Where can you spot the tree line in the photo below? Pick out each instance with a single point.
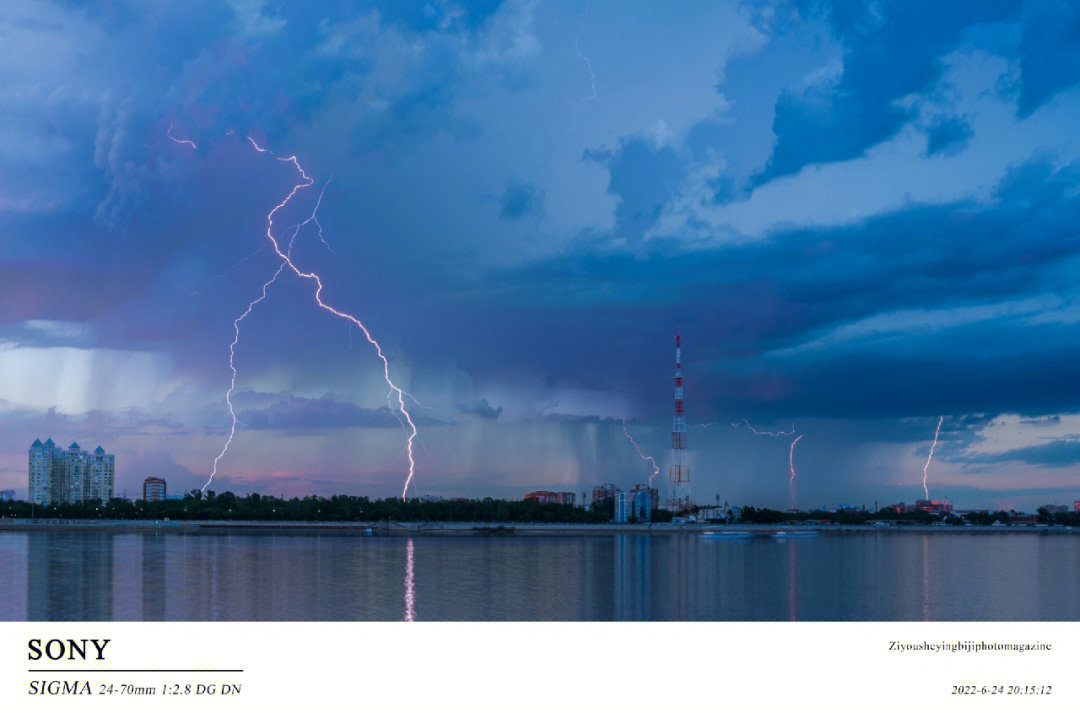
(196, 505)
(918, 517)
(338, 508)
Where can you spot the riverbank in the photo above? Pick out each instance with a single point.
(491, 529)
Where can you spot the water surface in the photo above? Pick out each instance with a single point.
(60, 575)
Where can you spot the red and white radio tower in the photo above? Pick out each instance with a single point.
(679, 473)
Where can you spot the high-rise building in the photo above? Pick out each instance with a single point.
(622, 507)
(643, 500)
(603, 492)
(153, 489)
(69, 476)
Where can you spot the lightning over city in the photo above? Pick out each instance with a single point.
(286, 260)
(335, 312)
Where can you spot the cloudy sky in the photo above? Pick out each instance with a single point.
(863, 215)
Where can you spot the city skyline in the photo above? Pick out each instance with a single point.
(863, 219)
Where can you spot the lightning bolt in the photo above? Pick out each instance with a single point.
(286, 261)
(315, 220)
(222, 275)
(232, 368)
(929, 457)
(592, 77)
(791, 466)
(232, 365)
(791, 450)
(656, 468)
(188, 142)
(774, 434)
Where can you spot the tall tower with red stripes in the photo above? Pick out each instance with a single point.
(679, 472)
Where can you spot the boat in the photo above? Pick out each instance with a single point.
(735, 535)
(786, 534)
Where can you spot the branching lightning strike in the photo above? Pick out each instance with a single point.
(286, 261)
(774, 434)
(791, 451)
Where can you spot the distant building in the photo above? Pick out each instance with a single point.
(713, 513)
(7, 495)
(937, 507)
(547, 496)
(603, 492)
(1056, 509)
(153, 489)
(622, 507)
(69, 476)
(1076, 506)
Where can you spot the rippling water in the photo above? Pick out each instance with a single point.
(54, 575)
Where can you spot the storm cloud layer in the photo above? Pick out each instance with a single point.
(862, 215)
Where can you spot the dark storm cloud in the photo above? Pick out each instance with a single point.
(1049, 51)
(948, 136)
(521, 200)
(428, 15)
(66, 294)
(644, 176)
(957, 432)
(500, 239)
(294, 413)
(480, 408)
(592, 316)
(413, 118)
(1055, 454)
(894, 49)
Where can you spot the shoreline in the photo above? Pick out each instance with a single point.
(495, 529)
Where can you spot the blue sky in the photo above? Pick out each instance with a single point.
(863, 215)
